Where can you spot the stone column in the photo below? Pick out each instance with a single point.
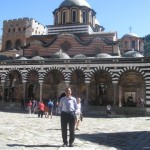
(3, 90)
(120, 96)
(24, 90)
(87, 91)
(41, 89)
(115, 86)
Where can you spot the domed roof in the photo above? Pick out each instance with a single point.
(132, 54)
(60, 55)
(103, 55)
(66, 3)
(130, 35)
(23, 58)
(37, 58)
(80, 56)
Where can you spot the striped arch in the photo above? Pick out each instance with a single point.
(11, 70)
(129, 69)
(74, 69)
(94, 70)
(54, 68)
(131, 86)
(30, 70)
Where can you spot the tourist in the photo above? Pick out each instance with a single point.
(50, 108)
(34, 106)
(68, 107)
(78, 113)
(29, 105)
(41, 107)
(108, 110)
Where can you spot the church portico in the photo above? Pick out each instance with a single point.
(98, 84)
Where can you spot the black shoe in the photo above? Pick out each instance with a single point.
(71, 145)
(64, 145)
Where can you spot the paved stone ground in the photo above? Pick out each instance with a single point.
(19, 131)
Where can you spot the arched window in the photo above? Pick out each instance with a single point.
(84, 16)
(74, 15)
(63, 17)
(133, 45)
(56, 19)
(8, 45)
(126, 44)
(18, 44)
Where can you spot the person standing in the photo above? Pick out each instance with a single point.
(50, 108)
(78, 113)
(108, 110)
(41, 108)
(68, 107)
(29, 106)
(34, 106)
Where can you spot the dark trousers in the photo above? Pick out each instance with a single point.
(40, 114)
(68, 118)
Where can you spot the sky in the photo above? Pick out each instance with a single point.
(121, 16)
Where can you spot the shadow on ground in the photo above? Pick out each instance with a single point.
(25, 145)
(121, 141)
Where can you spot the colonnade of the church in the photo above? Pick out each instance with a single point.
(67, 83)
(100, 88)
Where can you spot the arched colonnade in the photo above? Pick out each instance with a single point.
(97, 86)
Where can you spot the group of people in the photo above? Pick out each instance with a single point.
(46, 109)
(32, 106)
(69, 109)
(41, 108)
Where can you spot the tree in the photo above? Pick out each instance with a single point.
(147, 45)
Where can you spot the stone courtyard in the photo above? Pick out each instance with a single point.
(22, 131)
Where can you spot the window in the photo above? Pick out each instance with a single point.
(133, 45)
(84, 16)
(74, 16)
(18, 44)
(126, 44)
(63, 17)
(8, 45)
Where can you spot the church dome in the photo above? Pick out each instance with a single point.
(67, 3)
(80, 56)
(60, 55)
(103, 55)
(37, 58)
(132, 54)
(130, 35)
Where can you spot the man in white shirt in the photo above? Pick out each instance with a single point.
(68, 107)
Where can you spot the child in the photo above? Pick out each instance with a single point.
(46, 111)
(108, 110)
